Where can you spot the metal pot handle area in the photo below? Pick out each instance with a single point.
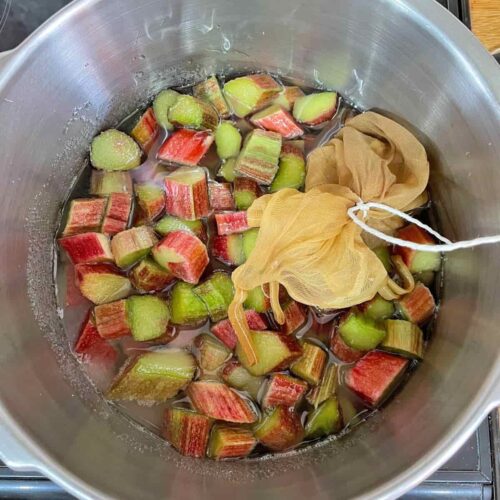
(5, 57)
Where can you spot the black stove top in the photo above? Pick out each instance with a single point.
(468, 475)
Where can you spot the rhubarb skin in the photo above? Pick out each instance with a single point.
(342, 351)
(231, 222)
(185, 146)
(295, 317)
(416, 234)
(84, 215)
(146, 129)
(374, 375)
(277, 119)
(280, 429)
(187, 193)
(217, 400)
(148, 276)
(102, 283)
(227, 441)
(117, 213)
(187, 431)
(220, 195)
(90, 346)
(87, 248)
(183, 254)
(283, 390)
(210, 91)
(111, 320)
(418, 306)
(228, 249)
(224, 331)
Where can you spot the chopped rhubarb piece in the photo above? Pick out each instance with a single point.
(227, 140)
(186, 308)
(382, 252)
(148, 316)
(231, 222)
(87, 248)
(246, 191)
(84, 216)
(117, 213)
(112, 320)
(259, 157)
(187, 431)
(292, 167)
(114, 150)
(277, 119)
(230, 442)
(221, 197)
(183, 254)
(146, 129)
(151, 199)
(321, 331)
(187, 193)
(360, 331)
(275, 352)
(210, 91)
(224, 331)
(91, 346)
(103, 183)
(257, 300)
(418, 306)
(295, 317)
(191, 112)
(217, 400)
(314, 109)
(102, 283)
(404, 338)
(169, 223)
(238, 377)
(161, 106)
(326, 388)
(375, 375)
(247, 94)
(228, 249)
(153, 376)
(287, 97)
(211, 354)
(217, 293)
(186, 147)
(279, 429)
(249, 241)
(227, 170)
(324, 420)
(377, 308)
(342, 351)
(132, 245)
(283, 390)
(417, 260)
(148, 276)
(311, 364)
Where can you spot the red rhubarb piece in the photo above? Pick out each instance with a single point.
(91, 346)
(87, 248)
(283, 390)
(228, 249)
(277, 119)
(187, 193)
(231, 222)
(84, 215)
(295, 317)
(224, 331)
(146, 129)
(419, 305)
(117, 213)
(111, 320)
(220, 196)
(185, 146)
(183, 254)
(230, 441)
(217, 400)
(342, 351)
(374, 375)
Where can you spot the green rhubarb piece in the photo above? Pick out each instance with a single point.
(274, 352)
(292, 170)
(217, 293)
(315, 108)
(249, 241)
(383, 254)
(210, 91)
(324, 420)
(149, 276)
(227, 140)
(259, 157)
(162, 104)
(132, 245)
(425, 277)
(224, 285)
(361, 332)
(378, 308)
(230, 442)
(191, 112)
(237, 376)
(104, 183)
(287, 97)
(151, 199)
(325, 388)
(311, 364)
(250, 93)
(425, 261)
(257, 300)
(114, 150)
(211, 353)
(227, 170)
(404, 338)
(169, 223)
(154, 376)
(148, 317)
(185, 306)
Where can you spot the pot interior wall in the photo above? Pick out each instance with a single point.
(102, 59)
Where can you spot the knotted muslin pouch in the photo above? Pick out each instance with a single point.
(308, 243)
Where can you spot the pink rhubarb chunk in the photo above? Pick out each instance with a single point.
(185, 146)
(231, 222)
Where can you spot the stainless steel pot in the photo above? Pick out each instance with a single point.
(94, 62)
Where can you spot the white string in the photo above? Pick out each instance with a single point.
(448, 246)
